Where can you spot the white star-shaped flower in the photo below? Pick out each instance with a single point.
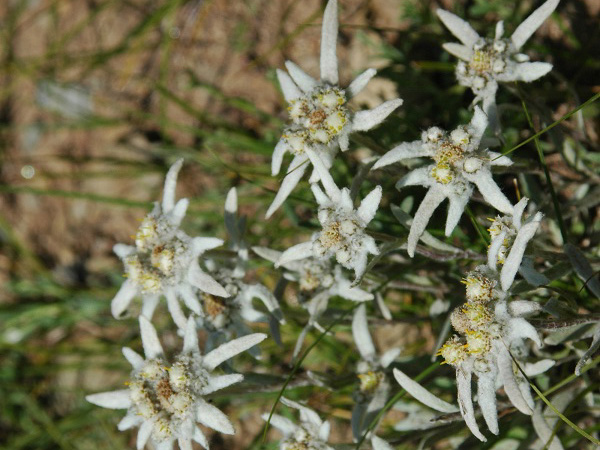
(343, 234)
(459, 163)
(164, 260)
(490, 329)
(225, 317)
(165, 401)
(372, 393)
(486, 62)
(311, 434)
(318, 281)
(321, 118)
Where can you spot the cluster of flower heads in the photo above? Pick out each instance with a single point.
(166, 401)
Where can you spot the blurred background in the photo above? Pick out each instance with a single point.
(99, 97)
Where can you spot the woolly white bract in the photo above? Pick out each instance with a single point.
(164, 260)
(343, 234)
(372, 393)
(164, 401)
(491, 331)
(485, 62)
(321, 118)
(225, 317)
(459, 164)
(311, 434)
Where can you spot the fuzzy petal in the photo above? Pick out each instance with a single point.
(369, 205)
(479, 123)
(303, 80)
(544, 431)
(458, 27)
(231, 348)
(486, 393)
(490, 190)
(202, 244)
(380, 444)
(521, 308)
(278, 154)
(530, 71)
(213, 417)
(144, 434)
(389, 356)
(178, 212)
(299, 251)
(306, 414)
(331, 188)
(123, 298)
(221, 382)
(515, 256)
(190, 338)
(532, 23)
(458, 50)
(359, 83)
(463, 385)
(297, 168)
(406, 150)
(423, 395)
(170, 185)
(456, 207)
(184, 444)
(200, 438)
(205, 282)
(365, 120)
(432, 200)
(360, 332)
(231, 208)
(329, 32)
(150, 341)
(505, 367)
(123, 250)
(134, 358)
(417, 177)
(518, 212)
(190, 299)
(494, 249)
(288, 87)
(175, 309)
(149, 304)
(112, 400)
(283, 424)
(129, 421)
(497, 159)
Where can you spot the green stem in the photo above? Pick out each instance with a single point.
(552, 125)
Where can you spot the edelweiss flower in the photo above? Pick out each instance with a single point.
(459, 163)
(167, 401)
(164, 260)
(485, 62)
(372, 394)
(311, 434)
(321, 119)
(224, 317)
(318, 281)
(490, 330)
(343, 234)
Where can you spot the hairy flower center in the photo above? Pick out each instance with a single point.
(479, 288)
(154, 263)
(489, 56)
(453, 351)
(321, 116)
(370, 381)
(164, 394)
